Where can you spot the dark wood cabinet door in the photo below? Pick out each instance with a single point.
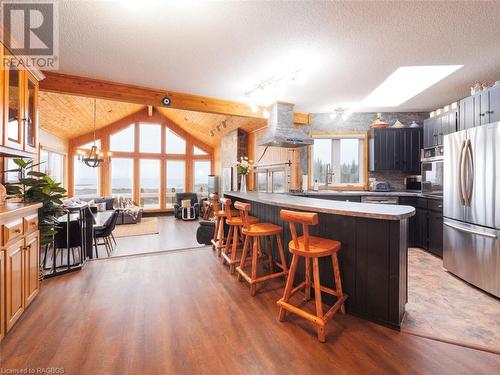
(428, 132)
(436, 233)
(421, 230)
(411, 143)
(494, 110)
(483, 104)
(467, 113)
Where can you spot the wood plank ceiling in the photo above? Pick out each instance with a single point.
(69, 116)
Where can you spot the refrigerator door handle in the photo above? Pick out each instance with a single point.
(461, 169)
(489, 235)
(470, 179)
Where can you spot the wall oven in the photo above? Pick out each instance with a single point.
(432, 171)
(272, 178)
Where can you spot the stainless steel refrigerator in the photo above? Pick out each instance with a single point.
(472, 206)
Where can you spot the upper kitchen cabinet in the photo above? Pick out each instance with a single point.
(479, 109)
(435, 128)
(395, 149)
(13, 111)
(30, 118)
(19, 130)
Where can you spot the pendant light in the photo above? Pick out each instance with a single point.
(95, 157)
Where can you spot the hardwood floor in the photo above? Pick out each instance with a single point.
(173, 234)
(183, 313)
(444, 307)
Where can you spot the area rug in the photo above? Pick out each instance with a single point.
(148, 225)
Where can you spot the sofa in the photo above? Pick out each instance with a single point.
(123, 218)
(179, 197)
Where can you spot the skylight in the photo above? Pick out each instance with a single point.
(405, 83)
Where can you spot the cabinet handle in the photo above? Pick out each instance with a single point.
(489, 112)
(482, 114)
(17, 230)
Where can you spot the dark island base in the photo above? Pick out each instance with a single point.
(373, 261)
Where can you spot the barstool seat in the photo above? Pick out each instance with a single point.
(311, 248)
(218, 240)
(253, 234)
(318, 247)
(239, 221)
(262, 229)
(234, 236)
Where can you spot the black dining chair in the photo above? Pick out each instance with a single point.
(105, 234)
(61, 242)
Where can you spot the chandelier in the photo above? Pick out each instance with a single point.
(95, 157)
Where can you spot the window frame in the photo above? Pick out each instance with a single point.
(363, 160)
(189, 158)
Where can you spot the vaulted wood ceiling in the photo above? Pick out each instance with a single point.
(69, 116)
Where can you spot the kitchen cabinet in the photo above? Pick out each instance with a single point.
(14, 282)
(2, 294)
(19, 109)
(435, 225)
(425, 228)
(19, 261)
(396, 149)
(435, 128)
(479, 109)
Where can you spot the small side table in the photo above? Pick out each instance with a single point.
(188, 213)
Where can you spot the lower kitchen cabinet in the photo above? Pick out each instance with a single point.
(19, 262)
(425, 228)
(14, 282)
(2, 294)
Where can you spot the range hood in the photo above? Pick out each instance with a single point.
(281, 132)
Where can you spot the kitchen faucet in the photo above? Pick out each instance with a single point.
(329, 175)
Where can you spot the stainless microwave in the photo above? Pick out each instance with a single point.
(432, 171)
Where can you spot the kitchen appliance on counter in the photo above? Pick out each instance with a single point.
(432, 171)
(472, 206)
(380, 186)
(413, 183)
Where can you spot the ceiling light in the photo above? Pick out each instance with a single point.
(266, 113)
(254, 108)
(405, 83)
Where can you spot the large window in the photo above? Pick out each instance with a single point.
(176, 180)
(201, 172)
(150, 183)
(174, 143)
(338, 161)
(150, 138)
(150, 163)
(122, 177)
(123, 140)
(86, 183)
(52, 164)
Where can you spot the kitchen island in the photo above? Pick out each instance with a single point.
(373, 258)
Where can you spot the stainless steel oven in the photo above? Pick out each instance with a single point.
(432, 171)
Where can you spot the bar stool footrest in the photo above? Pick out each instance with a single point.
(303, 314)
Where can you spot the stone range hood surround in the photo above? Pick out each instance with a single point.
(281, 132)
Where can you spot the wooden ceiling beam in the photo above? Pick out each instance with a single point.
(139, 116)
(82, 86)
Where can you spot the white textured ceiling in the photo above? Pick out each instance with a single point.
(221, 49)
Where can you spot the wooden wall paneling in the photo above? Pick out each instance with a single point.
(142, 117)
(3, 105)
(105, 169)
(82, 86)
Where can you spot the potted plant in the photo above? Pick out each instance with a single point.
(243, 168)
(34, 186)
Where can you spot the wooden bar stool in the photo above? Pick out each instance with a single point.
(218, 240)
(253, 233)
(234, 235)
(311, 248)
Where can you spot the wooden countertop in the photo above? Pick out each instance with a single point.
(14, 210)
(368, 210)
